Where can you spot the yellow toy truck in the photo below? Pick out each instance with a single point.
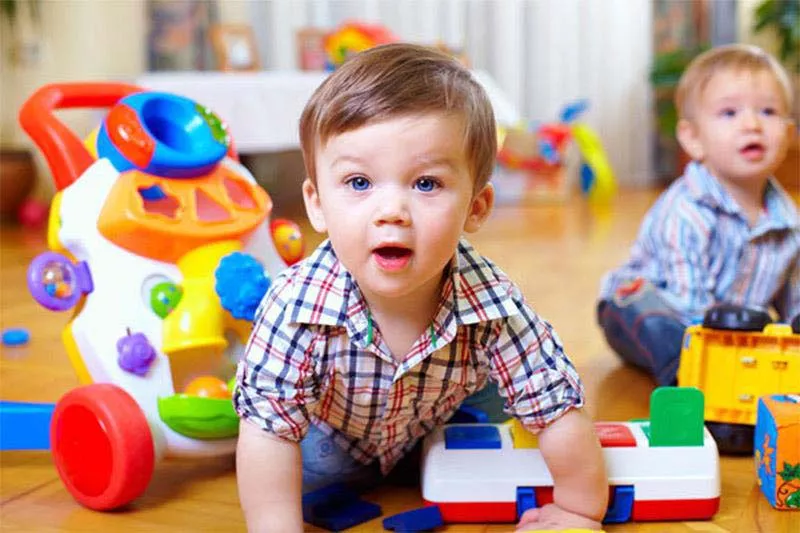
(735, 357)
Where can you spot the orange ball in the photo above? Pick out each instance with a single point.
(208, 387)
(288, 240)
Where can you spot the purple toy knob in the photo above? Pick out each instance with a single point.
(136, 354)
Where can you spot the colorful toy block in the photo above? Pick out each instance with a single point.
(25, 426)
(337, 507)
(777, 453)
(666, 468)
(423, 519)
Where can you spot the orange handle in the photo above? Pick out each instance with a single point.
(64, 151)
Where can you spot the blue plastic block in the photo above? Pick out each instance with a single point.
(526, 499)
(421, 519)
(337, 507)
(620, 508)
(16, 336)
(25, 426)
(467, 414)
(472, 438)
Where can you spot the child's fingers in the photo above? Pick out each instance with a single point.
(529, 517)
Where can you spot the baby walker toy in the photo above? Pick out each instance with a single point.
(161, 244)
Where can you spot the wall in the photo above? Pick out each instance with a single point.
(542, 53)
(78, 40)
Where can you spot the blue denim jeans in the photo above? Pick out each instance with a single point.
(325, 463)
(645, 331)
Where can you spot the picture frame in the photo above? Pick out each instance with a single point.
(177, 34)
(311, 53)
(234, 47)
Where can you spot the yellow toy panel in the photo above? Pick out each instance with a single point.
(735, 368)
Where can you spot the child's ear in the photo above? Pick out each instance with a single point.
(480, 208)
(690, 140)
(313, 206)
(791, 136)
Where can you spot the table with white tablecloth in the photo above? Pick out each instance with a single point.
(262, 109)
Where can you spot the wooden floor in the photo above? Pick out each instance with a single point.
(556, 253)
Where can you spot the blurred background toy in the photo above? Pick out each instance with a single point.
(534, 161)
(352, 37)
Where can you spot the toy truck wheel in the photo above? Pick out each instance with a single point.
(796, 324)
(732, 439)
(736, 318)
(102, 446)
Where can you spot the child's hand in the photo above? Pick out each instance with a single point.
(551, 516)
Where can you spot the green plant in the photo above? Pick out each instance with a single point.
(10, 9)
(783, 18)
(664, 75)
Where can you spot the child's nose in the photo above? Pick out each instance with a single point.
(752, 119)
(392, 208)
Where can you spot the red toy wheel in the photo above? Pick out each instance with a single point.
(102, 446)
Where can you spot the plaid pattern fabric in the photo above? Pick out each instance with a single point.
(308, 359)
(697, 245)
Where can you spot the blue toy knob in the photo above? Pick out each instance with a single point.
(241, 284)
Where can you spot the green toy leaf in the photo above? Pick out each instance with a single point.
(790, 472)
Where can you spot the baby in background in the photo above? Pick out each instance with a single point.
(395, 320)
(725, 231)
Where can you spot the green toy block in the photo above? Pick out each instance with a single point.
(676, 416)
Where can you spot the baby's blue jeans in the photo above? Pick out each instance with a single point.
(325, 463)
(645, 331)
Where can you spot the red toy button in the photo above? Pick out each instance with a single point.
(129, 136)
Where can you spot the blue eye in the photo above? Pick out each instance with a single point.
(358, 183)
(768, 111)
(728, 113)
(426, 184)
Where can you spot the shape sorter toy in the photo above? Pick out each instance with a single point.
(664, 468)
(777, 444)
(161, 244)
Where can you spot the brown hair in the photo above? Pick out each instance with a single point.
(398, 79)
(741, 57)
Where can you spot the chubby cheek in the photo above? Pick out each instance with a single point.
(440, 235)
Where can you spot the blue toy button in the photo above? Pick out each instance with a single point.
(472, 437)
(16, 336)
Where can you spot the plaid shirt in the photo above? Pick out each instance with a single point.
(310, 359)
(696, 244)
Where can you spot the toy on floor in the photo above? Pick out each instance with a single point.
(337, 507)
(533, 160)
(777, 453)
(160, 244)
(422, 519)
(25, 425)
(736, 356)
(15, 336)
(666, 468)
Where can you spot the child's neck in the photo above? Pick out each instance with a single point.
(750, 197)
(403, 320)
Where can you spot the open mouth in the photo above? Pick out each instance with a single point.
(753, 151)
(392, 257)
